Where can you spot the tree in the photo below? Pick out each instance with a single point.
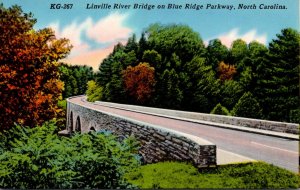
(254, 65)
(94, 92)
(278, 84)
(216, 53)
(238, 52)
(153, 58)
(231, 91)
(220, 110)
(247, 106)
(139, 82)
(226, 71)
(169, 94)
(202, 88)
(29, 80)
(178, 39)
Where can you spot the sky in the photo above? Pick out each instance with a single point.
(94, 32)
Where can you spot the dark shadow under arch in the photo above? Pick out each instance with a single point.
(78, 125)
(71, 129)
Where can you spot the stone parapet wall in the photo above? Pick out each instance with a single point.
(237, 121)
(157, 143)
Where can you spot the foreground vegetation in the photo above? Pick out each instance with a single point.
(181, 175)
(38, 158)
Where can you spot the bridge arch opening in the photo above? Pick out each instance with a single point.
(78, 125)
(71, 122)
(92, 129)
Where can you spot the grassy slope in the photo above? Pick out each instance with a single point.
(181, 175)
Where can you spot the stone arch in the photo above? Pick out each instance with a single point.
(71, 125)
(78, 125)
(93, 126)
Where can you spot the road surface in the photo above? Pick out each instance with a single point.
(278, 151)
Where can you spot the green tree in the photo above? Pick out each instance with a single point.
(254, 65)
(202, 88)
(216, 53)
(231, 92)
(247, 106)
(278, 84)
(153, 58)
(169, 94)
(220, 110)
(178, 39)
(94, 91)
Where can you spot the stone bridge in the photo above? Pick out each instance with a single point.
(157, 143)
(177, 135)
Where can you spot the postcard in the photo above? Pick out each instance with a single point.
(149, 94)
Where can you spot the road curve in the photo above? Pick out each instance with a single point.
(280, 152)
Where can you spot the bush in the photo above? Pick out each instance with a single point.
(220, 110)
(39, 158)
(247, 106)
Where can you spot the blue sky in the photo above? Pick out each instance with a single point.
(93, 32)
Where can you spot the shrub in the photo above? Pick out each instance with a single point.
(247, 106)
(220, 110)
(39, 158)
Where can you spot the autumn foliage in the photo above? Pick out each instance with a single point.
(226, 71)
(29, 78)
(139, 81)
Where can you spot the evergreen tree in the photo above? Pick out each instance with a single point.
(278, 84)
(247, 106)
(220, 110)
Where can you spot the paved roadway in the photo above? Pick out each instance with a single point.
(278, 151)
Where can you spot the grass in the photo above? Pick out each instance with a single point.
(181, 175)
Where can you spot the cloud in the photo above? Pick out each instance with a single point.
(109, 29)
(232, 35)
(91, 58)
(88, 38)
(73, 32)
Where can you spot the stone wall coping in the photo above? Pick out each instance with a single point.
(193, 113)
(215, 124)
(193, 138)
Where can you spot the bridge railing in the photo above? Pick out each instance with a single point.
(291, 128)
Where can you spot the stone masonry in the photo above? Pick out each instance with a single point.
(291, 128)
(157, 144)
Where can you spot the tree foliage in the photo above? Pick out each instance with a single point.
(278, 85)
(226, 71)
(220, 110)
(29, 80)
(75, 78)
(247, 106)
(190, 76)
(38, 158)
(139, 82)
(94, 91)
